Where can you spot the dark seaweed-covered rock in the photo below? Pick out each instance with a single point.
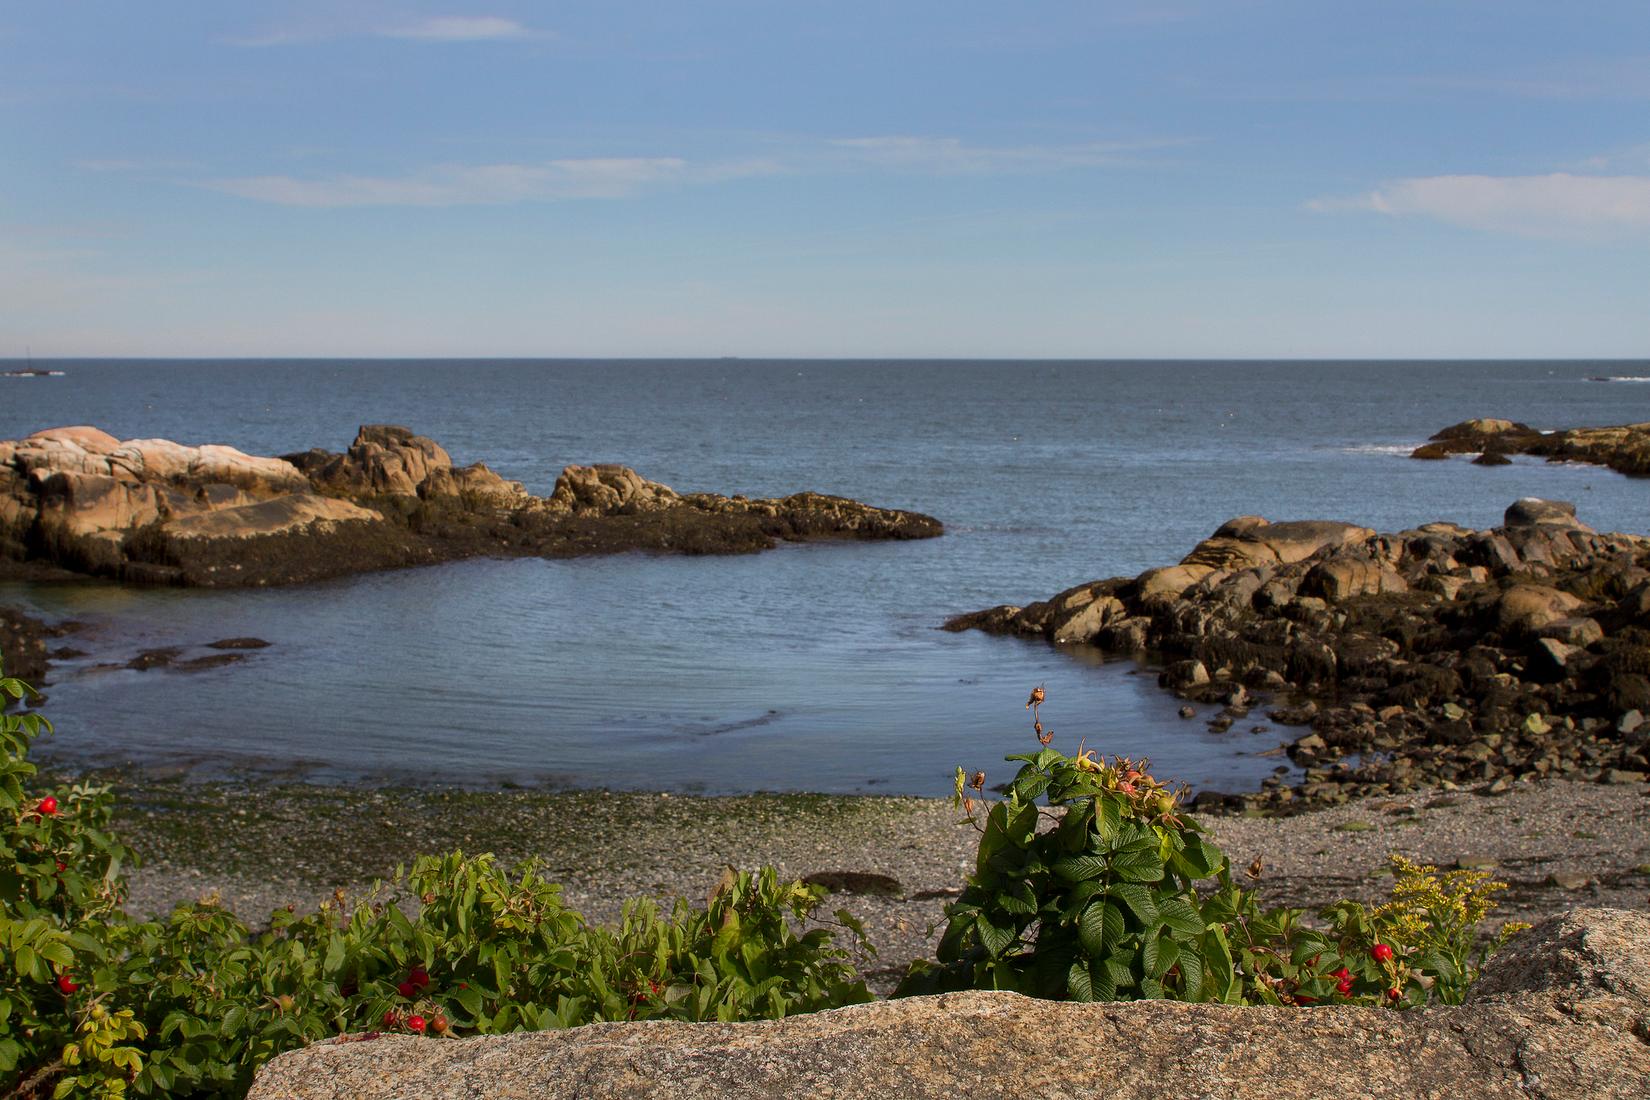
(1437, 654)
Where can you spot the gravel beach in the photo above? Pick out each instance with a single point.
(1558, 844)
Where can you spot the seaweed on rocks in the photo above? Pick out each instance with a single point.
(1439, 655)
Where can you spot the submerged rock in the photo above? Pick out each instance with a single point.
(153, 511)
(1561, 1013)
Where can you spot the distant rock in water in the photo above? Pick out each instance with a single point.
(153, 511)
(1625, 448)
(1438, 654)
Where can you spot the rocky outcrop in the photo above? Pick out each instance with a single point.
(1563, 1013)
(153, 511)
(1625, 448)
(1439, 654)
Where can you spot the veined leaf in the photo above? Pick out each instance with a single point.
(1100, 927)
(1179, 915)
(1078, 868)
(1138, 899)
(1079, 983)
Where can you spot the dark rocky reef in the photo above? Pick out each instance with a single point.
(1563, 1013)
(1624, 448)
(1432, 656)
(156, 512)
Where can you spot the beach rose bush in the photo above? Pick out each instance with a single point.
(96, 1003)
(1092, 883)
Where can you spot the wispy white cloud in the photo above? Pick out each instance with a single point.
(623, 177)
(949, 155)
(489, 184)
(133, 165)
(1558, 205)
(460, 28)
(441, 28)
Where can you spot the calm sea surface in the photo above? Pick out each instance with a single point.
(810, 667)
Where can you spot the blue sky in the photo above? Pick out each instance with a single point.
(1192, 178)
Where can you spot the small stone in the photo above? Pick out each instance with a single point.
(1537, 725)
(856, 882)
(1188, 712)
(1621, 776)
(1629, 722)
(1454, 712)
(1568, 880)
(1501, 785)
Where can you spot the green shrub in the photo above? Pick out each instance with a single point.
(95, 1003)
(1090, 883)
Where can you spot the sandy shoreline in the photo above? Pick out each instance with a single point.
(258, 846)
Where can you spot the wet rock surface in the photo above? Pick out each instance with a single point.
(1439, 655)
(156, 512)
(1563, 1012)
(23, 646)
(1624, 448)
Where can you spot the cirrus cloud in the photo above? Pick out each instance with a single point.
(489, 184)
(459, 28)
(1557, 205)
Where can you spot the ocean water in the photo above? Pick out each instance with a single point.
(816, 667)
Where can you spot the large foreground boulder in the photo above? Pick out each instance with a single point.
(1564, 1013)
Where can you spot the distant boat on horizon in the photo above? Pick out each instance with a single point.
(32, 371)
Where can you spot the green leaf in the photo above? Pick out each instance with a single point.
(1078, 868)
(1079, 983)
(1158, 955)
(1179, 915)
(1091, 929)
(1108, 817)
(995, 939)
(1138, 866)
(1138, 899)
(1191, 972)
(1121, 974)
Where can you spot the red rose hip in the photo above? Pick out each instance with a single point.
(66, 983)
(47, 806)
(1381, 953)
(407, 989)
(415, 1023)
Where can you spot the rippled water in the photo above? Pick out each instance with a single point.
(810, 667)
